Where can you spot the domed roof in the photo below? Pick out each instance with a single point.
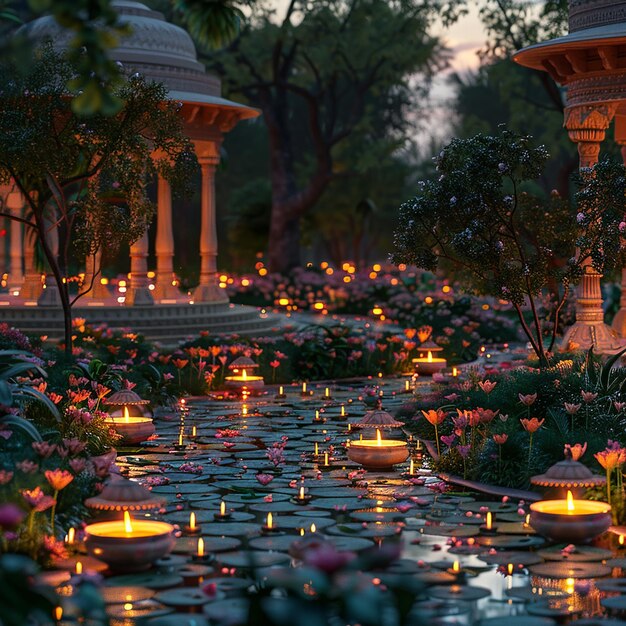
(568, 474)
(159, 50)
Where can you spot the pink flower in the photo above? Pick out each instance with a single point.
(11, 516)
(500, 439)
(27, 467)
(327, 558)
(5, 477)
(265, 479)
(527, 400)
(532, 425)
(588, 396)
(571, 409)
(487, 386)
(37, 499)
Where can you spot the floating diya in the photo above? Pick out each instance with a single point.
(223, 514)
(270, 527)
(378, 453)
(281, 395)
(242, 378)
(129, 544)
(302, 498)
(488, 528)
(192, 528)
(129, 416)
(306, 392)
(570, 520)
(428, 365)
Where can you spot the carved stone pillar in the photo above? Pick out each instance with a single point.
(208, 289)
(586, 126)
(619, 321)
(15, 204)
(164, 289)
(99, 292)
(138, 293)
(32, 286)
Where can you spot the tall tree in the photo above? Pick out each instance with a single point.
(84, 178)
(327, 67)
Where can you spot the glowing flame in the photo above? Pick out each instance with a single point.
(58, 613)
(430, 356)
(270, 521)
(126, 415)
(570, 502)
(192, 521)
(343, 411)
(79, 567)
(411, 468)
(128, 527)
(301, 493)
(456, 566)
(244, 374)
(509, 569)
(455, 372)
(222, 508)
(200, 551)
(379, 439)
(313, 528)
(316, 449)
(489, 523)
(303, 387)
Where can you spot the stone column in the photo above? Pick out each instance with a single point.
(15, 204)
(98, 292)
(586, 126)
(32, 286)
(619, 321)
(164, 245)
(208, 289)
(138, 293)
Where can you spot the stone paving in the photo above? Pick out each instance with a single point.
(508, 577)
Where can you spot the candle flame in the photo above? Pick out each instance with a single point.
(303, 387)
(313, 528)
(126, 414)
(316, 449)
(200, 546)
(244, 374)
(71, 535)
(430, 356)
(379, 439)
(270, 521)
(301, 493)
(194, 431)
(489, 520)
(317, 414)
(325, 458)
(222, 508)
(570, 501)
(180, 437)
(192, 521)
(456, 566)
(280, 391)
(244, 410)
(455, 372)
(509, 569)
(343, 411)
(621, 540)
(58, 613)
(411, 468)
(128, 527)
(327, 392)
(79, 567)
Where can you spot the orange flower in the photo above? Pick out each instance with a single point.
(575, 451)
(487, 386)
(180, 363)
(434, 417)
(59, 479)
(500, 439)
(532, 425)
(409, 333)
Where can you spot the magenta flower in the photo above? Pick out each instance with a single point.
(37, 499)
(11, 516)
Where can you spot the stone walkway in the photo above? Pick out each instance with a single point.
(227, 460)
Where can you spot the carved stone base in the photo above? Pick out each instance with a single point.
(32, 287)
(583, 335)
(139, 296)
(164, 290)
(98, 292)
(209, 291)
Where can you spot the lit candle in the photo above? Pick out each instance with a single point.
(317, 415)
(379, 439)
(313, 528)
(509, 569)
(194, 431)
(343, 412)
(200, 549)
(316, 449)
(489, 523)
(71, 535)
(58, 613)
(79, 567)
(192, 520)
(180, 438)
(244, 410)
(621, 540)
(456, 567)
(269, 524)
(303, 389)
(411, 468)
(327, 392)
(455, 372)
(223, 514)
(407, 385)
(326, 459)
(222, 508)
(301, 496)
(281, 391)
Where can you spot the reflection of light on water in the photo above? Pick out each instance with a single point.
(574, 595)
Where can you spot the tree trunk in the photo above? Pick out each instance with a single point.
(284, 240)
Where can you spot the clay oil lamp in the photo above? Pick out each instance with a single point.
(318, 419)
(568, 474)
(129, 416)
(327, 397)
(201, 555)
(193, 528)
(306, 392)
(224, 513)
(302, 498)
(242, 378)
(129, 545)
(488, 528)
(428, 364)
(281, 395)
(120, 494)
(570, 520)
(378, 453)
(270, 528)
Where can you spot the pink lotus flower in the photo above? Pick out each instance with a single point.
(532, 425)
(571, 408)
(588, 396)
(43, 448)
(5, 477)
(327, 558)
(265, 479)
(619, 406)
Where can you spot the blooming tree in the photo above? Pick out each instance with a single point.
(481, 219)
